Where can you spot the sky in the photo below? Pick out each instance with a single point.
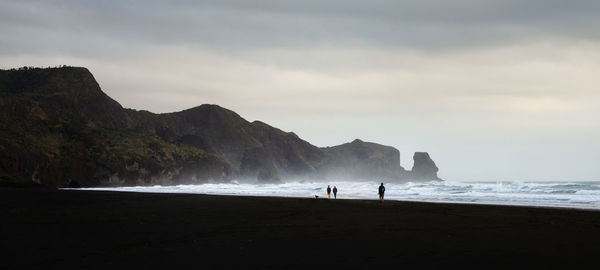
(492, 89)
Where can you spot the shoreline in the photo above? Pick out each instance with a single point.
(490, 203)
(97, 229)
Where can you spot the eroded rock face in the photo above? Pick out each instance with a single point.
(363, 161)
(424, 168)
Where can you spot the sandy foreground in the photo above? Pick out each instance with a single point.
(94, 229)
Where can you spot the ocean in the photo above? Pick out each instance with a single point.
(584, 195)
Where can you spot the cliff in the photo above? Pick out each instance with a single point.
(59, 129)
(251, 148)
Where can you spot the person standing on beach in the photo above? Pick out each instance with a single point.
(334, 192)
(328, 192)
(381, 192)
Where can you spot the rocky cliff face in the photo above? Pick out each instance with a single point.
(424, 168)
(59, 129)
(254, 149)
(362, 160)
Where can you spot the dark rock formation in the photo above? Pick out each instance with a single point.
(362, 160)
(250, 148)
(57, 128)
(424, 168)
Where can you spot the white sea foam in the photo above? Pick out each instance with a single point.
(556, 194)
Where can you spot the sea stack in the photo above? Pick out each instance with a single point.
(424, 168)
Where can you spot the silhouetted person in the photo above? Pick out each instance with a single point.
(381, 192)
(334, 192)
(328, 192)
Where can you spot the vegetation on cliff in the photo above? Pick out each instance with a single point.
(59, 129)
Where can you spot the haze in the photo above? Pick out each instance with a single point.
(493, 90)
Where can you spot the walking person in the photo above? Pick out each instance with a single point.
(381, 192)
(334, 192)
(328, 192)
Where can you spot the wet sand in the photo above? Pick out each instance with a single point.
(93, 229)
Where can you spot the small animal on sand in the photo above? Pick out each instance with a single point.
(316, 196)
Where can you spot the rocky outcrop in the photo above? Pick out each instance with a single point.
(424, 168)
(362, 160)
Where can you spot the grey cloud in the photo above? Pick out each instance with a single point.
(59, 26)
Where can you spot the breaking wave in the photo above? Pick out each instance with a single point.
(554, 194)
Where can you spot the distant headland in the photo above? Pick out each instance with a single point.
(59, 129)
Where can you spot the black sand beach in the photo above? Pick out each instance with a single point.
(44, 228)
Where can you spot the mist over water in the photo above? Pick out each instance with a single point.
(554, 194)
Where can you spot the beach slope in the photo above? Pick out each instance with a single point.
(92, 229)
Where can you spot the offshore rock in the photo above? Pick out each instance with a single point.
(424, 168)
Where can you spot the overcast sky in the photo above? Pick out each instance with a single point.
(493, 90)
